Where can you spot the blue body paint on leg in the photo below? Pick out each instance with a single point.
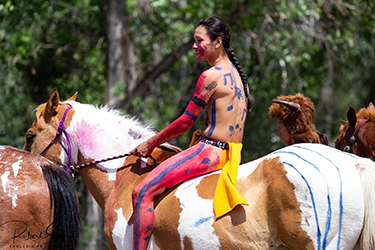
(151, 184)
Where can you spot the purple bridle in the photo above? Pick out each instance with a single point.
(353, 137)
(68, 149)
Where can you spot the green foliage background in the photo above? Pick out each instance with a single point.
(323, 49)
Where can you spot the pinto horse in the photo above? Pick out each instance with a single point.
(304, 196)
(38, 205)
(357, 136)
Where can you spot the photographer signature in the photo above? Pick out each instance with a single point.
(20, 231)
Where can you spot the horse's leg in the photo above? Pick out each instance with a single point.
(108, 236)
(118, 231)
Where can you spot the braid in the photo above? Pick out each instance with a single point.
(216, 27)
(233, 59)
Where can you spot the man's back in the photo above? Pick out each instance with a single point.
(227, 108)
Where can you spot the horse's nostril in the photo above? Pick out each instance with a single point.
(346, 149)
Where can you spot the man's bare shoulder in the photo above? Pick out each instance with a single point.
(214, 74)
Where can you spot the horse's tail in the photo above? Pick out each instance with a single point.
(366, 171)
(66, 221)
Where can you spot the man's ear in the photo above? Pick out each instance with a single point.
(218, 42)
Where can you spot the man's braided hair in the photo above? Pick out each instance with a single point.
(216, 27)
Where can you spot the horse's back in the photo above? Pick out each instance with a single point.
(24, 200)
(329, 193)
(307, 195)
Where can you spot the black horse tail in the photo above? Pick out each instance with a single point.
(66, 220)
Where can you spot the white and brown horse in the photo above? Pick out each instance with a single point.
(305, 196)
(38, 205)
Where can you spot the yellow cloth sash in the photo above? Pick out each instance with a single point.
(226, 195)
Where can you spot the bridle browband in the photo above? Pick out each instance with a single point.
(68, 149)
(353, 137)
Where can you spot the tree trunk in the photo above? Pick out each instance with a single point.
(95, 219)
(92, 237)
(115, 12)
(326, 102)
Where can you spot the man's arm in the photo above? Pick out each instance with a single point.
(182, 124)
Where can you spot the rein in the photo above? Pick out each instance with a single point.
(353, 137)
(68, 149)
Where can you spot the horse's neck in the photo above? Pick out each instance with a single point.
(93, 179)
(96, 179)
(133, 172)
(101, 134)
(366, 140)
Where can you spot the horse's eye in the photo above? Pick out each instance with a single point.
(30, 137)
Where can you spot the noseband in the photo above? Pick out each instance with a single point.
(68, 149)
(353, 137)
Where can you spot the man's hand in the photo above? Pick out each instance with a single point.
(144, 149)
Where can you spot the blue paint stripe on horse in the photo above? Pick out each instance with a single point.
(202, 220)
(329, 211)
(341, 198)
(312, 200)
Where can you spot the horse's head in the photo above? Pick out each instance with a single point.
(356, 136)
(346, 139)
(40, 136)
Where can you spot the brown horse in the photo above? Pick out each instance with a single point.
(305, 196)
(357, 136)
(39, 208)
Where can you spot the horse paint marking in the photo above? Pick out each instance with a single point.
(320, 224)
(121, 232)
(122, 235)
(16, 166)
(113, 122)
(5, 181)
(201, 224)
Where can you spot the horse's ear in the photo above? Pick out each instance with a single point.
(351, 115)
(73, 97)
(341, 129)
(371, 108)
(52, 103)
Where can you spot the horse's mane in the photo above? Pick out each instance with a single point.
(366, 113)
(113, 117)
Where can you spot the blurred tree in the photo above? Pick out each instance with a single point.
(47, 45)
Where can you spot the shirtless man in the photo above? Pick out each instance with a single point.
(222, 91)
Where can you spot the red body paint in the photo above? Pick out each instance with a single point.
(184, 122)
(200, 52)
(194, 161)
